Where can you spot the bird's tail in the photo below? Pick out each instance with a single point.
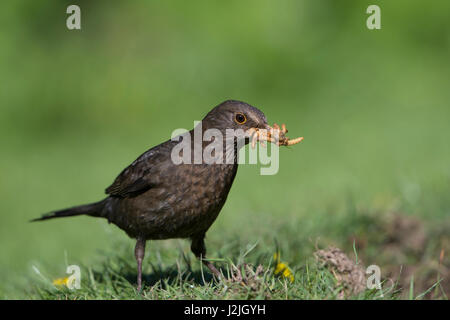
(91, 209)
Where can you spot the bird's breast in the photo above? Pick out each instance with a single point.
(186, 203)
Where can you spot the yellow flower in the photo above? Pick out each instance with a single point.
(282, 268)
(61, 281)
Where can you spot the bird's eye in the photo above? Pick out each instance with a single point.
(240, 118)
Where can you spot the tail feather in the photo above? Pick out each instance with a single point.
(91, 209)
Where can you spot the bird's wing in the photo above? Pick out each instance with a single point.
(142, 174)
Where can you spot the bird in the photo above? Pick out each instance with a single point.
(156, 198)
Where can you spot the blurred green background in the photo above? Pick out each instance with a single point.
(78, 106)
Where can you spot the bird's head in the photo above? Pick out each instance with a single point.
(236, 115)
(246, 123)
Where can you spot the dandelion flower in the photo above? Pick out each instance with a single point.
(282, 268)
(61, 282)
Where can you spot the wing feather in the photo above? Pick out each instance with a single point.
(143, 173)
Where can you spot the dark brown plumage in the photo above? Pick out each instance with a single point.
(154, 198)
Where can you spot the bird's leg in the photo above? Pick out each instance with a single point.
(139, 252)
(199, 249)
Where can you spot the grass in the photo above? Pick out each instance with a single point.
(172, 272)
(114, 277)
(77, 107)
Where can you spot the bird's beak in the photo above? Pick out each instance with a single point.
(274, 134)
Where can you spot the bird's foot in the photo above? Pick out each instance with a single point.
(245, 275)
(213, 269)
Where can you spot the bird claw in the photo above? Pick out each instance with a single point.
(274, 134)
(244, 274)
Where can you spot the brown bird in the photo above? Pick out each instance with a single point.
(155, 198)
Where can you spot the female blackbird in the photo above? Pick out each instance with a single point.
(155, 198)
